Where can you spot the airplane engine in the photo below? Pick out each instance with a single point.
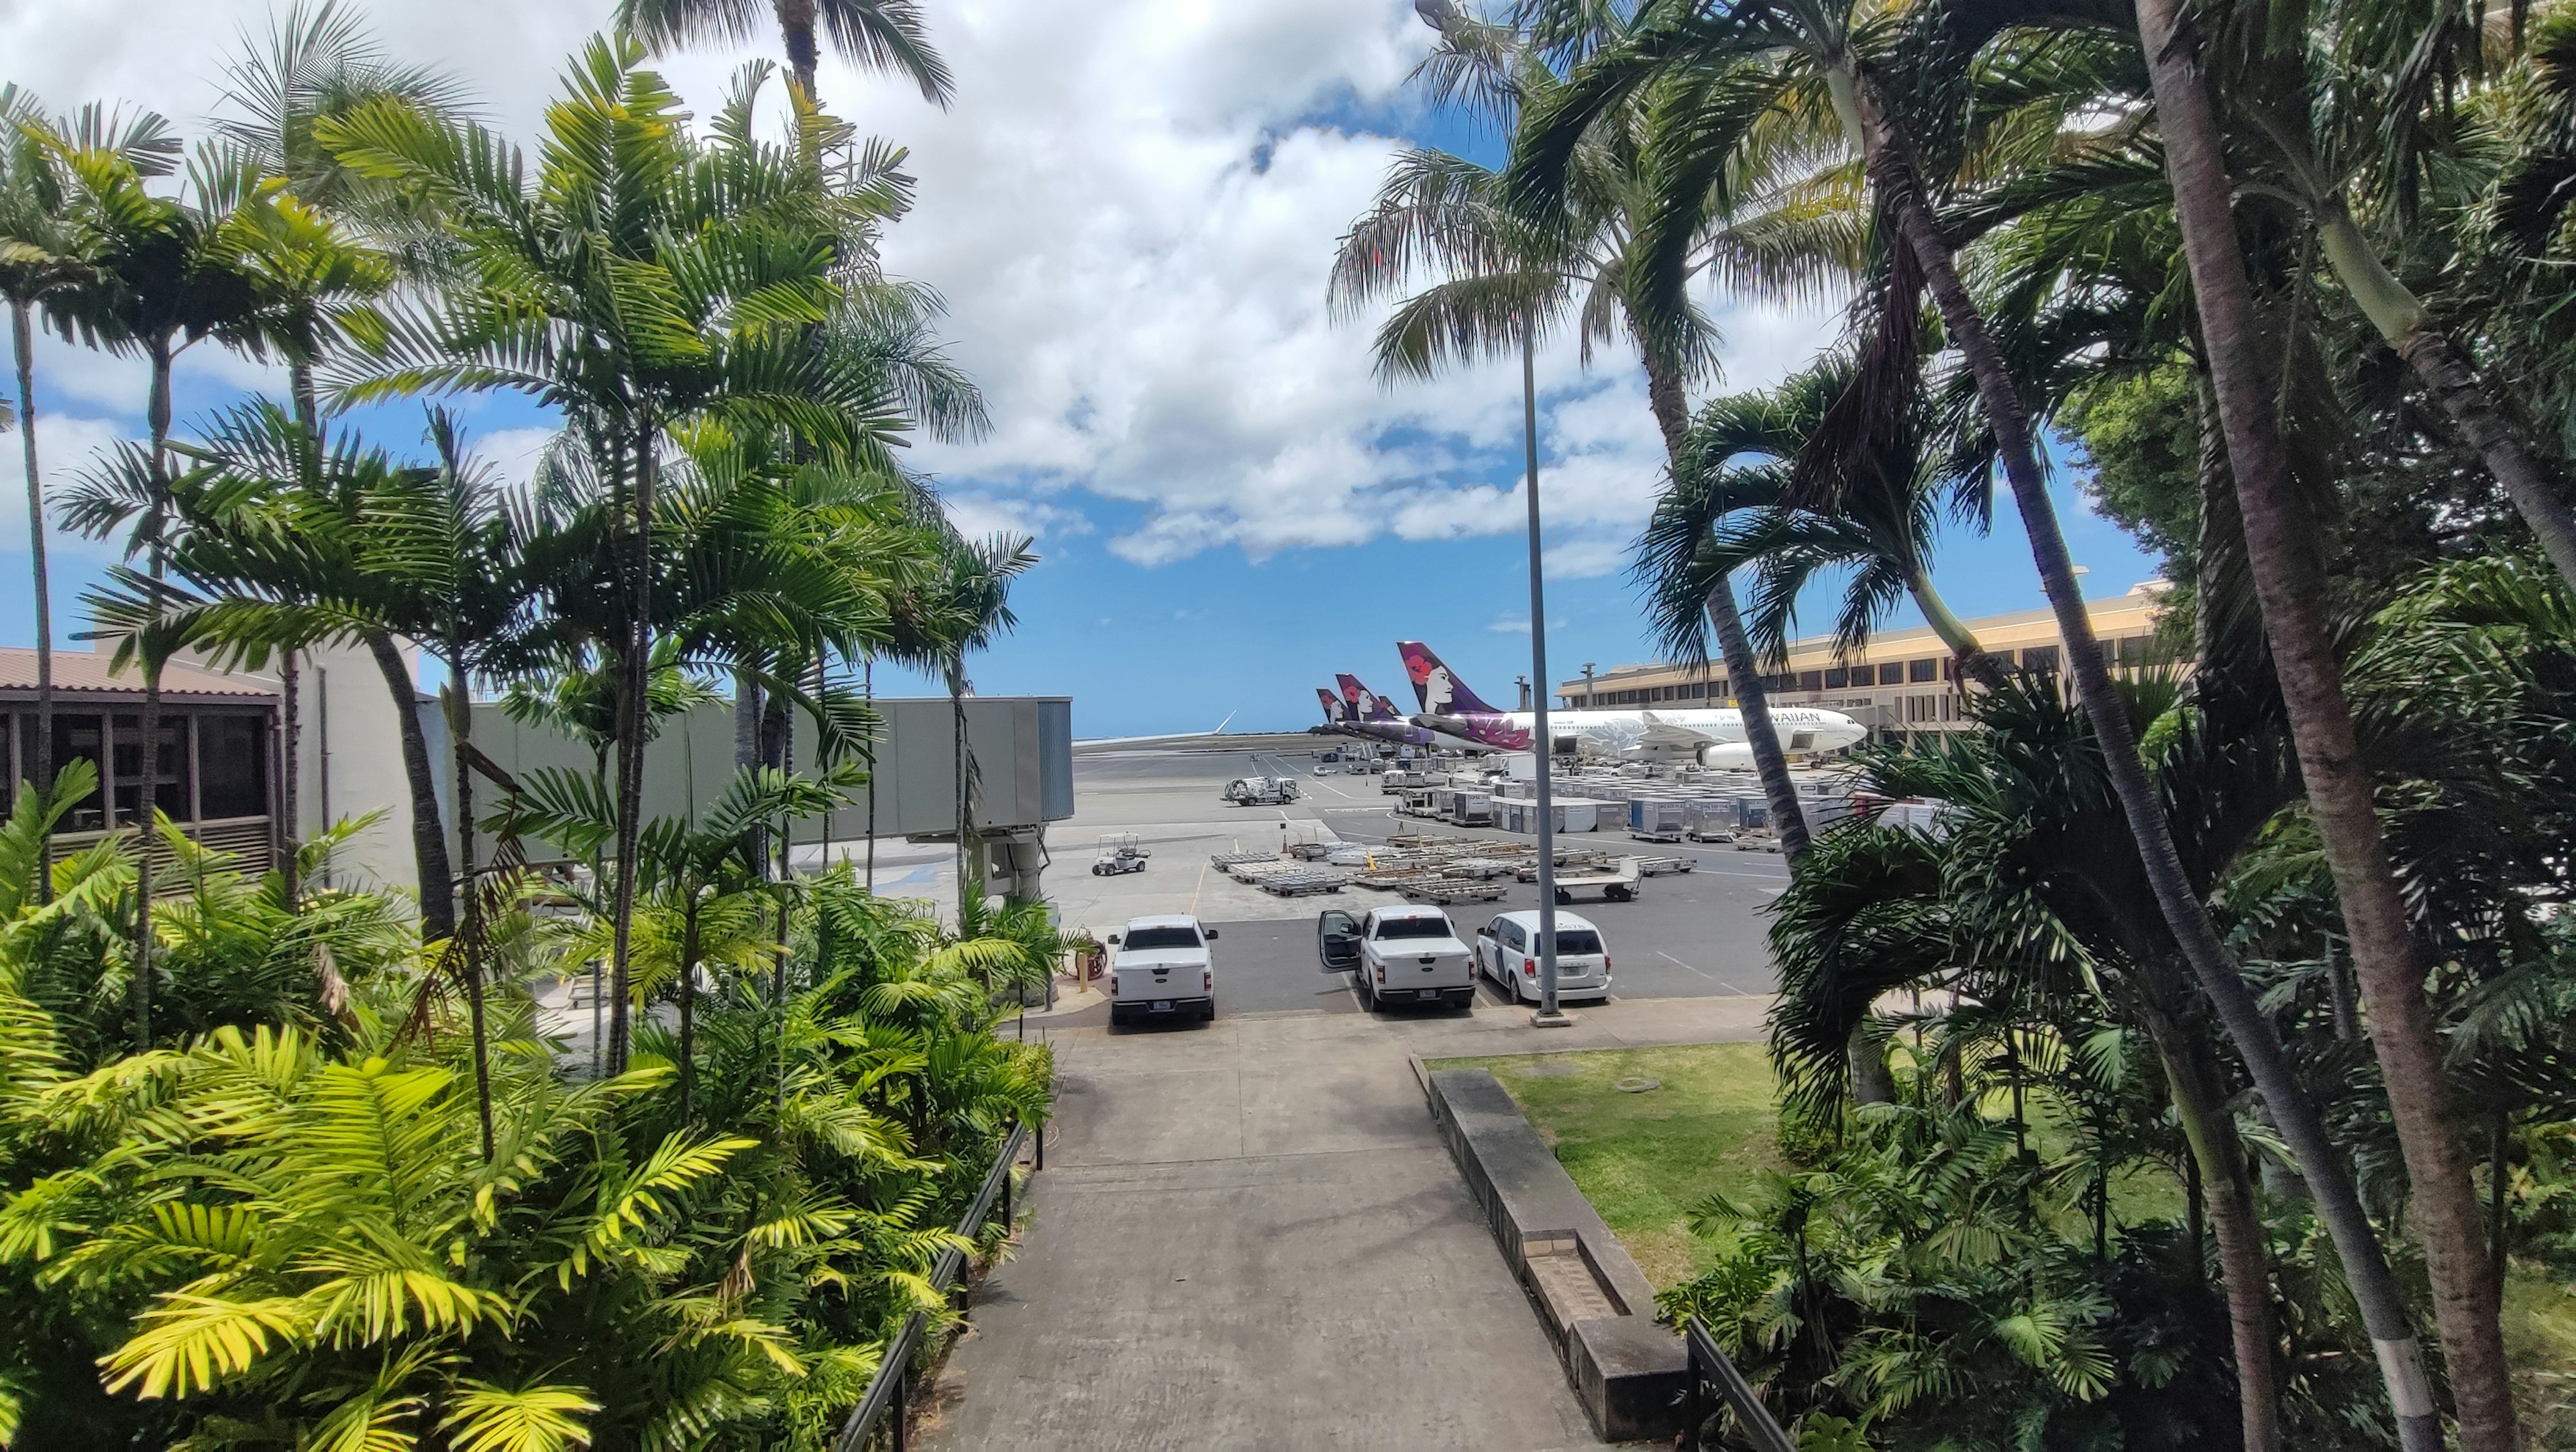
(1727, 755)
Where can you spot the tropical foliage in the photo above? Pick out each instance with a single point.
(2291, 283)
(286, 1161)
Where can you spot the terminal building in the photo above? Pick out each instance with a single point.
(219, 773)
(1902, 685)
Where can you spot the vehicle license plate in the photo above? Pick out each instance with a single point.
(1431, 995)
(1162, 1005)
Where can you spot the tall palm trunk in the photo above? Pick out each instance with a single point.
(147, 748)
(868, 686)
(2257, 1040)
(430, 861)
(2447, 374)
(2199, 1094)
(796, 28)
(290, 672)
(468, 942)
(632, 715)
(689, 1004)
(1743, 672)
(970, 888)
(22, 335)
(2289, 581)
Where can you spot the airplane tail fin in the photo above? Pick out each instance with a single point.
(1437, 687)
(1332, 708)
(1366, 705)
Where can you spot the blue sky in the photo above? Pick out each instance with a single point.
(1130, 211)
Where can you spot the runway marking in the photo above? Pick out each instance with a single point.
(1195, 887)
(1720, 982)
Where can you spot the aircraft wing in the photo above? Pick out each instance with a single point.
(1663, 735)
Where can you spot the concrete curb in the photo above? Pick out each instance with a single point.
(1597, 1308)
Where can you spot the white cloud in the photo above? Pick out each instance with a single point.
(1131, 209)
(67, 446)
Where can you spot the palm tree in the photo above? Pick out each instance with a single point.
(1729, 506)
(702, 314)
(318, 61)
(169, 280)
(1760, 61)
(961, 607)
(875, 35)
(1501, 274)
(39, 267)
(2290, 581)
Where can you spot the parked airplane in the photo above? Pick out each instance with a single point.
(1367, 714)
(1709, 736)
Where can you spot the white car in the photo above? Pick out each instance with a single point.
(1507, 952)
(1403, 954)
(1160, 971)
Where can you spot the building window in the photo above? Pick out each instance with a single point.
(232, 766)
(2039, 658)
(1926, 669)
(76, 738)
(1811, 680)
(1837, 677)
(1891, 673)
(169, 770)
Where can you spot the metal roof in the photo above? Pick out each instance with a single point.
(80, 673)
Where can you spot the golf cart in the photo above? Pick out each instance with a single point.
(1119, 855)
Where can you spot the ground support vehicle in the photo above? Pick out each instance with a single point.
(1160, 971)
(1665, 866)
(1261, 791)
(1407, 954)
(1507, 951)
(1621, 883)
(1119, 854)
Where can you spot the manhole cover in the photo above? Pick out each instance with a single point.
(1638, 1085)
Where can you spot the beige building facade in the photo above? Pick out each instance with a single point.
(1902, 685)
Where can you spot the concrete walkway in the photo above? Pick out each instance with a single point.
(1249, 1236)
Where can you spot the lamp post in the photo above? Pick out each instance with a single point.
(1542, 741)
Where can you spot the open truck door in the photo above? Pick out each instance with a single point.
(1337, 941)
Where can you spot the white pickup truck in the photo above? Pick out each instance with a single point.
(1160, 971)
(1406, 954)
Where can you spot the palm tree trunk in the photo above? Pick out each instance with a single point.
(796, 28)
(2289, 581)
(632, 712)
(2200, 1101)
(290, 673)
(970, 891)
(147, 763)
(1743, 672)
(2447, 374)
(2257, 1040)
(868, 679)
(23, 337)
(688, 987)
(468, 943)
(428, 833)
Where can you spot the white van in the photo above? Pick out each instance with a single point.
(1507, 952)
(1160, 971)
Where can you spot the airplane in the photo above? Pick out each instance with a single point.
(1366, 714)
(1710, 737)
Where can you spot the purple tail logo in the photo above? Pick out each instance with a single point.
(1437, 687)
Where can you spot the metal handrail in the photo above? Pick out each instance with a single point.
(1709, 1363)
(885, 1391)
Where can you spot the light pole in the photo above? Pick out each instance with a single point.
(1542, 741)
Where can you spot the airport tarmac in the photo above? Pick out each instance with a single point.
(1688, 935)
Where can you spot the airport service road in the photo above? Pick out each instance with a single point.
(1689, 935)
(1248, 1235)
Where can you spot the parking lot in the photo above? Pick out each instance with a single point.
(1688, 935)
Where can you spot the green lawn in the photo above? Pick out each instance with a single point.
(1644, 1159)
(2540, 1339)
